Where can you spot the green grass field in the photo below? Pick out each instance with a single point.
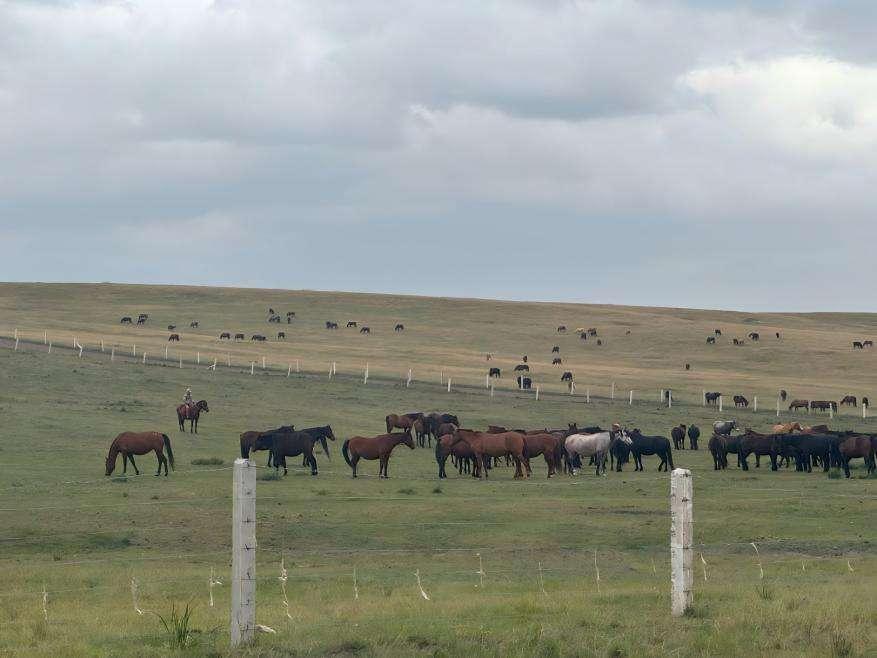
(82, 537)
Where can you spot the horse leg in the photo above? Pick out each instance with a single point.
(124, 464)
(354, 460)
(382, 469)
(131, 459)
(180, 419)
(159, 457)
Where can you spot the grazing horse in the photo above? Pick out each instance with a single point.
(331, 325)
(125, 320)
(740, 401)
(238, 336)
(596, 445)
(447, 446)
(486, 445)
(522, 367)
(225, 336)
(320, 433)
(399, 327)
(693, 436)
(193, 324)
(850, 400)
(867, 343)
(173, 337)
(760, 444)
(494, 372)
(823, 405)
(857, 345)
(556, 361)
(191, 413)
(583, 336)
(365, 330)
(651, 445)
(717, 332)
(712, 397)
(566, 376)
(258, 338)
(524, 383)
(725, 426)
(799, 404)
(754, 336)
(171, 327)
(377, 447)
(555, 349)
(140, 443)
(561, 329)
(710, 340)
(289, 443)
(250, 441)
(678, 436)
(350, 324)
(850, 447)
(421, 433)
(434, 421)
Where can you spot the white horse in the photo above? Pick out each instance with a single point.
(594, 445)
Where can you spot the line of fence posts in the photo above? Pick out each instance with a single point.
(243, 625)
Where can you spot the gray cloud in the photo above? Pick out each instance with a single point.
(621, 151)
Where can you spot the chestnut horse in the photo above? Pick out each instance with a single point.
(377, 447)
(140, 443)
(545, 444)
(402, 422)
(191, 413)
(484, 444)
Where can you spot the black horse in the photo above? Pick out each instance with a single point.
(288, 443)
(693, 436)
(320, 434)
(651, 445)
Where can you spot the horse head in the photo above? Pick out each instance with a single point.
(329, 433)
(202, 405)
(111, 464)
(408, 440)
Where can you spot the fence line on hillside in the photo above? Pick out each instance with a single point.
(406, 379)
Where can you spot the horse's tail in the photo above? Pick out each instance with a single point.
(346, 453)
(670, 455)
(170, 453)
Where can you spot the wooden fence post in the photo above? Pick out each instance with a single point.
(181, 361)
(778, 406)
(198, 358)
(50, 348)
(252, 367)
(243, 566)
(670, 398)
(720, 404)
(228, 360)
(45, 337)
(703, 397)
(588, 396)
(681, 518)
(630, 402)
(755, 404)
(537, 391)
(165, 352)
(408, 381)
(449, 384)
(112, 353)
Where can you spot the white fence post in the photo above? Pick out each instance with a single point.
(755, 404)
(830, 410)
(365, 376)
(297, 366)
(112, 353)
(660, 396)
(572, 388)
(181, 361)
(263, 363)
(16, 344)
(50, 348)
(165, 352)
(703, 397)
(15, 333)
(289, 370)
(441, 376)
(408, 381)
(681, 518)
(491, 389)
(101, 344)
(243, 565)
(537, 391)
(144, 357)
(720, 404)
(134, 350)
(630, 402)
(778, 406)
(228, 359)
(334, 368)
(252, 367)
(612, 395)
(45, 337)
(486, 381)
(449, 384)
(864, 411)
(669, 398)
(588, 396)
(198, 358)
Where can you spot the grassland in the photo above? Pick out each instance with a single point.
(83, 537)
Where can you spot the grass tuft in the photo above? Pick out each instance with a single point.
(270, 476)
(176, 627)
(407, 491)
(841, 645)
(207, 461)
(437, 490)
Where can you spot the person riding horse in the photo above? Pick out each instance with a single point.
(187, 398)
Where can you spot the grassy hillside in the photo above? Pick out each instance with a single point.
(82, 537)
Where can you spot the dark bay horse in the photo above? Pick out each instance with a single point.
(320, 434)
(850, 447)
(140, 443)
(760, 444)
(376, 447)
(446, 446)
(191, 413)
(650, 445)
(250, 441)
(484, 444)
(397, 421)
(289, 443)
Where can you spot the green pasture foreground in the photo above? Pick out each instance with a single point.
(82, 537)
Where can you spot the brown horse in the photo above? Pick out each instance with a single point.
(545, 444)
(377, 447)
(402, 422)
(484, 445)
(851, 447)
(446, 446)
(786, 428)
(140, 443)
(191, 413)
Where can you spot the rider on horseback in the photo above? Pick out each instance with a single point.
(187, 398)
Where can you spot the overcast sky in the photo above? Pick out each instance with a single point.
(706, 154)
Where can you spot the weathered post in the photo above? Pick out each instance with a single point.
(449, 384)
(144, 357)
(45, 337)
(778, 406)
(612, 393)
(755, 404)
(703, 397)
(681, 518)
(537, 391)
(365, 376)
(669, 398)
(252, 367)
(720, 404)
(289, 371)
(408, 381)
(630, 401)
(165, 352)
(243, 565)
(588, 396)
(198, 358)
(50, 348)
(112, 352)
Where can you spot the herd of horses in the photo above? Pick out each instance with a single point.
(476, 452)
(807, 446)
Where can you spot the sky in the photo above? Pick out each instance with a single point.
(711, 154)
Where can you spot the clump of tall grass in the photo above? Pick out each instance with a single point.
(176, 627)
(207, 461)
